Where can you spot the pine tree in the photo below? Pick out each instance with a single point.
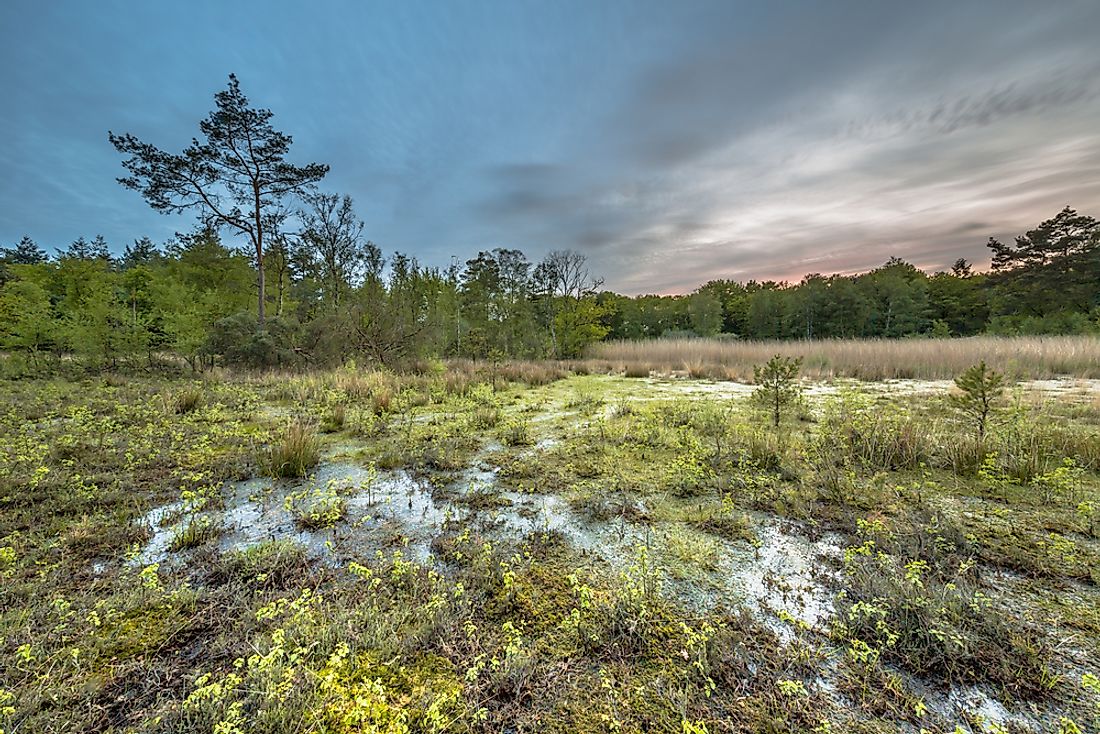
(981, 389)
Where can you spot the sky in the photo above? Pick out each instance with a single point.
(670, 142)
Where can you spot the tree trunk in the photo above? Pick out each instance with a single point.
(260, 281)
(258, 214)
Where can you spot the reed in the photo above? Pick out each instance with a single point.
(1030, 357)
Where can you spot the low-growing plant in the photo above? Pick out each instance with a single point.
(516, 433)
(316, 508)
(187, 400)
(486, 416)
(294, 453)
(335, 418)
(199, 529)
(933, 618)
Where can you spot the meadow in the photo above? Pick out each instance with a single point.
(597, 546)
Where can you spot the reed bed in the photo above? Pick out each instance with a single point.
(1024, 357)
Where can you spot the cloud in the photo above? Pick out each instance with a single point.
(670, 142)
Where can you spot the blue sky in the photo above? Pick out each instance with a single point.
(672, 142)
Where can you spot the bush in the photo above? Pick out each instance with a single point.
(239, 340)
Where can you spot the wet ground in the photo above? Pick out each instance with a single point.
(787, 577)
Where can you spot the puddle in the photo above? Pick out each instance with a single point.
(384, 510)
(391, 510)
(160, 519)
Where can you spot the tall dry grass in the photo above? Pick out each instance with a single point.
(1025, 357)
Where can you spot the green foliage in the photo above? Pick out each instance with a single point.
(331, 300)
(778, 386)
(239, 341)
(929, 614)
(980, 393)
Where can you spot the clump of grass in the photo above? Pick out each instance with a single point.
(585, 400)
(486, 416)
(198, 531)
(516, 433)
(381, 401)
(691, 549)
(482, 498)
(724, 522)
(872, 436)
(295, 453)
(760, 449)
(335, 418)
(187, 400)
(273, 563)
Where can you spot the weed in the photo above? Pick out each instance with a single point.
(516, 433)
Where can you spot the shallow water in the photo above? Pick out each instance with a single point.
(387, 510)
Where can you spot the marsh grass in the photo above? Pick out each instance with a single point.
(1035, 357)
(199, 530)
(187, 400)
(973, 578)
(335, 418)
(294, 453)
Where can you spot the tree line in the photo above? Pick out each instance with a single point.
(309, 288)
(331, 295)
(1045, 282)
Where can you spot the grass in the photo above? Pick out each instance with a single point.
(1037, 357)
(294, 453)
